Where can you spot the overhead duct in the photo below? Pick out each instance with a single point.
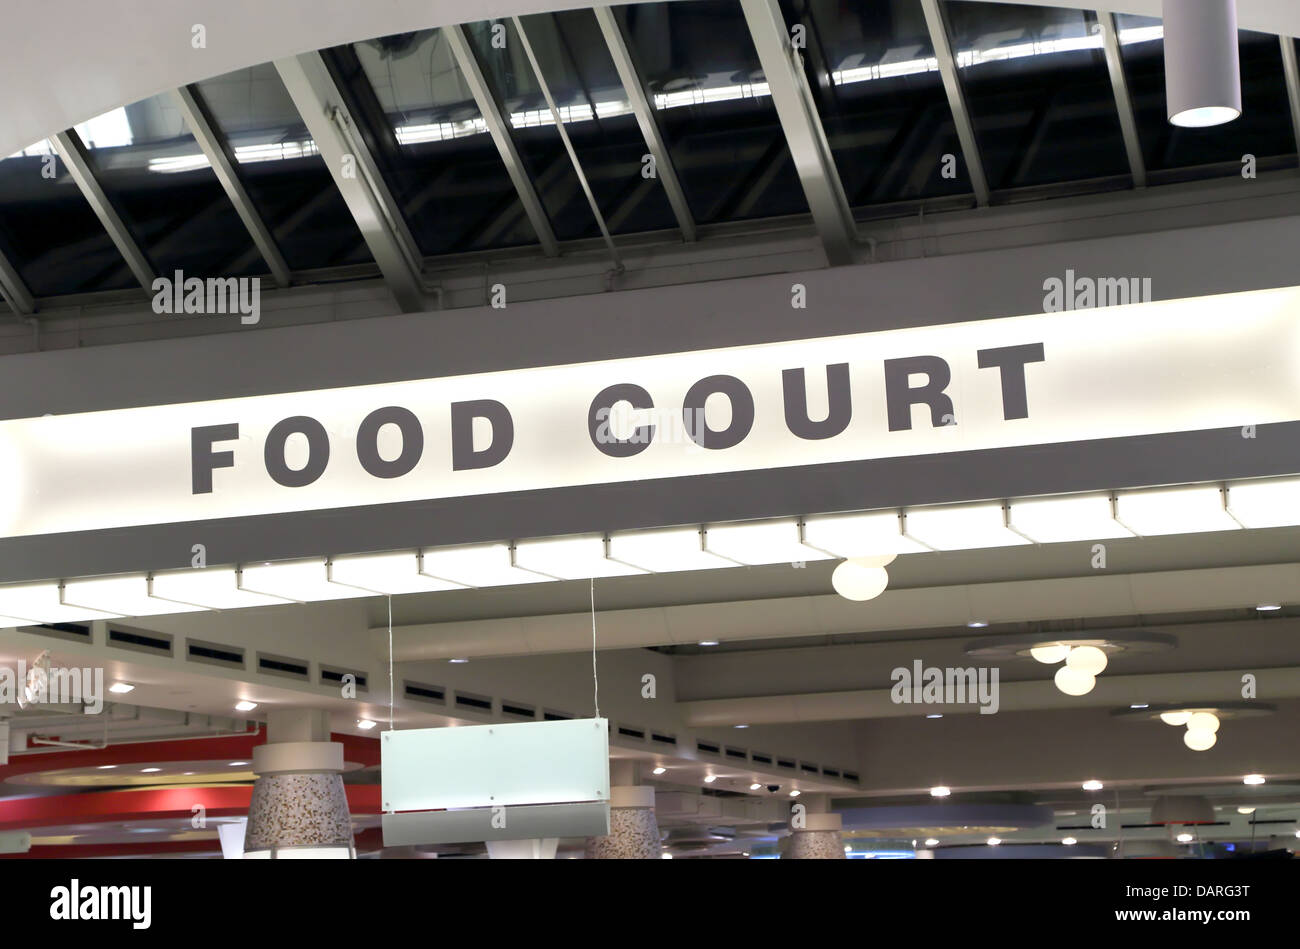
(1202, 64)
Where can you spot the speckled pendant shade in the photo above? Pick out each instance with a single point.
(633, 829)
(299, 808)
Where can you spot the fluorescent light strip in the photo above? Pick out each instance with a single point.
(121, 596)
(571, 558)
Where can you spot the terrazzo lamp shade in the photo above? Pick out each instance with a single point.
(299, 809)
(1202, 64)
(633, 829)
(818, 839)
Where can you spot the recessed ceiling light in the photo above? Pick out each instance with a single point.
(710, 778)
(1268, 607)
(1140, 705)
(934, 715)
(931, 842)
(105, 767)
(994, 841)
(755, 787)
(1185, 838)
(1092, 784)
(1069, 841)
(739, 726)
(708, 642)
(795, 793)
(149, 770)
(665, 856)
(1245, 810)
(977, 624)
(188, 773)
(1253, 779)
(245, 706)
(659, 770)
(121, 688)
(365, 724)
(458, 662)
(236, 764)
(940, 791)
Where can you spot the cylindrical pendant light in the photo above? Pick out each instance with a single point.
(1202, 66)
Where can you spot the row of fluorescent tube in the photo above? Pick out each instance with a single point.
(1083, 517)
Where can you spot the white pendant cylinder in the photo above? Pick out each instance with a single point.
(1202, 64)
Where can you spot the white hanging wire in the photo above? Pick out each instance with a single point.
(595, 680)
(391, 683)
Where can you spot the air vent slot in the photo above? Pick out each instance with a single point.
(214, 654)
(331, 675)
(550, 715)
(626, 732)
(1278, 820)
(850, 776)
(76, 632)
(830, 772)
(479, 703)
(738, 753)
(665, 739)
(759, 758)
(781, 763)
(158, 643)
(518, 709)
(810, 768)
(708, 748)
(283, 666)
(424, 693)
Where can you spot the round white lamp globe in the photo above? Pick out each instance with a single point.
(1087, 660)
(1200, 741)
(1072, 682)
(1175, 718)
(1050, 655)
(854, 581)
(1203, 722)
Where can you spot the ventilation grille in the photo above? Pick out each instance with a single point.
(665, 739)
(738, 753)
(480, 703)
(421, 692)
(551, 715)
(707, 748)
(809, 768)
(759, 757)
(782, 763)
(628, 732)
(156, 643)
(283, 666)
(332, 675)
(76, 632)
(231, 657)
(518, 709)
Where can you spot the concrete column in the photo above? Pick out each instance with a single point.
(815, 833)
(633, 830)
(299, 808)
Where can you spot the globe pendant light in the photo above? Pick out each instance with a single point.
(860, 579)
(1088, 660)
(1073, 682)
(1202, 65)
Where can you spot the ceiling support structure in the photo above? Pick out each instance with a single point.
(221, 159)
(357, 177)
(783, 68)
(568, 145)
(1123, 101)
(499, 129)
(72, 152)
(13, 291)
(645, 118)
(938, 26)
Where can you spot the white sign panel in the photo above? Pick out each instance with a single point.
(556, 762)
(1175, 366)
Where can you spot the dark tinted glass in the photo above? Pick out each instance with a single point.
(431, 143)
(881, 99)
(702, 76)
(161, 184)
(284, 174)
(49, 233)
(580, 73)
(1039, 93)
(1264, 128)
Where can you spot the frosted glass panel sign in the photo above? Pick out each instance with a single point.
(496, 765)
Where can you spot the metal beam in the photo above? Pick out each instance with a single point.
(1292, 70)
(937, 24)
(1123, 101)
(70, 149)
(645, 118)
(803, 129)
(356, 176)
(13, 290)
(500, 132)
(222, 161)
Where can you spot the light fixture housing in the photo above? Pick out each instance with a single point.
(1092, 784)
(859, 581)
(121, 688)
(1253, 779)
(1202, 64)
(940, 791)
(245, 706)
